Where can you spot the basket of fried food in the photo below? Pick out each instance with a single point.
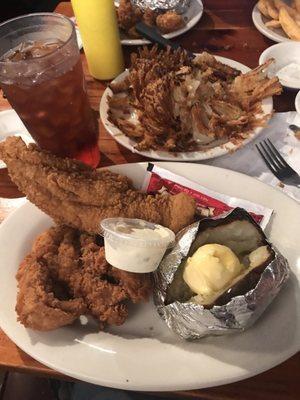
(170, 101)
(282, 15)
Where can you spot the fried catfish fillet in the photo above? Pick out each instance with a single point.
(76, 195)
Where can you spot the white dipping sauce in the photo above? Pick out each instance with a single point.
(135, 245)
(290, 74)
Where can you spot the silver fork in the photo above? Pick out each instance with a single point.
(277, 164)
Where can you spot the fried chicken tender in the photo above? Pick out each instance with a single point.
(169, 22)
(76, 195)
(39, 305)
(66, 275)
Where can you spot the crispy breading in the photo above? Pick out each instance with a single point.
(149, 17)
(183, 104)
(169, 22)
(42, 302)
(128, 15)
(66, 275)
(78, 196)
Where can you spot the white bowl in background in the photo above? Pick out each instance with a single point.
(284, 53)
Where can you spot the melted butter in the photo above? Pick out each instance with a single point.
(211, 268)
(256, 258)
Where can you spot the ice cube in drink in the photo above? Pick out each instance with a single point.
(43, 81)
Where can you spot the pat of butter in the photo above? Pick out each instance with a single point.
(290, 74)
(211, 268)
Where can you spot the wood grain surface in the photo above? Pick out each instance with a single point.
(226, 29)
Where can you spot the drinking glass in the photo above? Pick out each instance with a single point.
(41, 75)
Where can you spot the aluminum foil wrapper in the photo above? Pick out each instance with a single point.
(179, 6)
(191, 320)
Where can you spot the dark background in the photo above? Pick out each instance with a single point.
(14, 8)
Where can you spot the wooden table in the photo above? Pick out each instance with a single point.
(226, 29)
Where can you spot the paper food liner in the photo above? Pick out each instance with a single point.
(209, 203)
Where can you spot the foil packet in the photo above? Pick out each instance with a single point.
(209, 203)
(179, 6)
(191, 320)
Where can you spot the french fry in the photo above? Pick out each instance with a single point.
(272, 10)
(280, 4)
(274, 23)
(289, 25)
(262, 6)
(297, 5)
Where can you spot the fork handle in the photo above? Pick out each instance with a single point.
(154, 36)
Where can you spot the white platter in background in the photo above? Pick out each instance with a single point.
(217, 151)
(276, 34)
(192, 15)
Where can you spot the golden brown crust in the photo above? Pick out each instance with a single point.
(80, 197)
(66, 275)
(186, 105)
(128, 15)
(169, 22)
(37, 305)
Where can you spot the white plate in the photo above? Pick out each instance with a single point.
(144, 354)
(267, 106)
(297, 102)
(284, 54)
(192, 15)
(278, 35)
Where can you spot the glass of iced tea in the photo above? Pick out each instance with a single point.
(42, 77)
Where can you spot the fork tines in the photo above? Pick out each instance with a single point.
(274, 161)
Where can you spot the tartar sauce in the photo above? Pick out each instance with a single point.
(135, 245)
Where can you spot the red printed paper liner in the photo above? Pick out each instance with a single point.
(209, 203)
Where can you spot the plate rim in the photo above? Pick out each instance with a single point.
(260, 26)
(193, 156)
(171, 35)
(244, 374)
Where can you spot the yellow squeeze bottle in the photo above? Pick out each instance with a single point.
(97, 22)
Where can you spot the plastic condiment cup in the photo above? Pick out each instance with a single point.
(135, 245)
